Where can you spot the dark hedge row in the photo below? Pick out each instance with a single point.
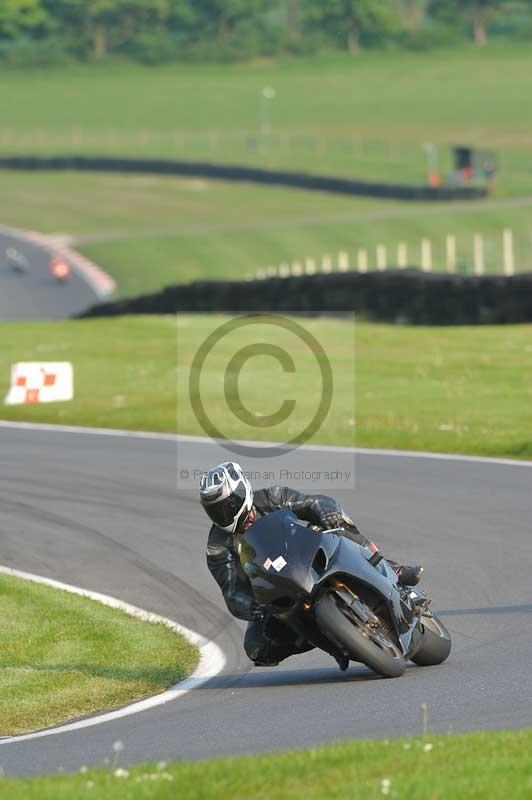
(199, 169)
(400, 296)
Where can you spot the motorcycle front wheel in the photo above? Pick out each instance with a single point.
(368, 646)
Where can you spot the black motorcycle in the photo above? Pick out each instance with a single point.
(339, 596)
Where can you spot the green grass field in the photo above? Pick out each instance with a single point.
(367, 116)
(466, 390)
(480, 766)
(65, 656)
(149, 232)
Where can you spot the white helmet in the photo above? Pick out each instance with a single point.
(226, 495)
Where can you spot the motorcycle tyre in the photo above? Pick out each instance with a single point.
(331, 620)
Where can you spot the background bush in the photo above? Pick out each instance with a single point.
(36, 33)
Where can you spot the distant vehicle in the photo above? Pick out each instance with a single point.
(17, 262)
(60, 269)
(340, 597)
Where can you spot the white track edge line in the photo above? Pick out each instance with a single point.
(177, 438)
(44, 426)
(212, 660)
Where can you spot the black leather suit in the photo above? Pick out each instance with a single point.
(267, 640)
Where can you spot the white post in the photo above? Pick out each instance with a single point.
(402, 255)
(478, 254)
(362, 260)
(508, 251)
(284, 270)
(271, 272)
(261, 274)
(381, 257)
(343, 261)
(426, 255)
(450, 250)
(326, 264)
(297, 268)
(310, 266)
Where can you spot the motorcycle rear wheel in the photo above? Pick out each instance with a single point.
(435, 643)
(371, 648)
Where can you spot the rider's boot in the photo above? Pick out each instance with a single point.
(407, 575)
(342, 661)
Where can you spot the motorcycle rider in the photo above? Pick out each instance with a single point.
(229, 500)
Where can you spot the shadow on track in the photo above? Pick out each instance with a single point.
(291, 677)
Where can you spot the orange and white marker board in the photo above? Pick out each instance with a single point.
(40, 382)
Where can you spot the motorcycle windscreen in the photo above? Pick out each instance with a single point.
(276, 554)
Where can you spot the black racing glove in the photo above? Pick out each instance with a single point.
(339, 519)
(334, 519)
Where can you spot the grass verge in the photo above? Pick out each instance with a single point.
(367, 116)
(459, 389)
(150, 231)
(479, 766)
(65, 656)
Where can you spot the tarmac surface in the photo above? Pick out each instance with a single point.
(104, 513)
(27, 289)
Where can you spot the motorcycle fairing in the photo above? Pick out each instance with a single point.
(311, 559)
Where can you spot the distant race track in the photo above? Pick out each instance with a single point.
(102, 512)
(29, 292)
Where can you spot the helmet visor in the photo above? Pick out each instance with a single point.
(224, 512)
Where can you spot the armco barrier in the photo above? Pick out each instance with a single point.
(200, 169)
(399, 296)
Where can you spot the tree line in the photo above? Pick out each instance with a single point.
(154, 31)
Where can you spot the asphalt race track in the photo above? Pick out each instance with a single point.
(103, 512)
(33, 293)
